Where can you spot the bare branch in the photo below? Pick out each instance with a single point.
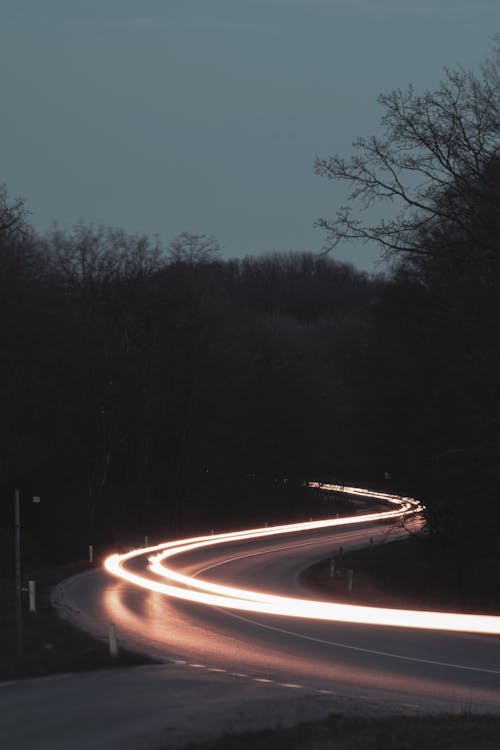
(13, 216)
(432, 160)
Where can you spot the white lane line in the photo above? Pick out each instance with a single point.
(325, 692)
(237, 674)
(290, 685)
(360, 649)
(261, 679)
(198, 666)
(215, 669)
(345, 538)
(179, 661)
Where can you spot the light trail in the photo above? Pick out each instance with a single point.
(229, 597)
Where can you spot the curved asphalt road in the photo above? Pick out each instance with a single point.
(223, 671)
(421, 668)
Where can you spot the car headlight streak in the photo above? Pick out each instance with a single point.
(206, 592)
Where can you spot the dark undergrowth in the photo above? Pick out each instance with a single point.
(438, 732)
(409, 574)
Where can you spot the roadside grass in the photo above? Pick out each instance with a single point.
(49, 644)
(409, 574)
(337, 732)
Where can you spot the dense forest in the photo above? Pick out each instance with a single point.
(146, 387)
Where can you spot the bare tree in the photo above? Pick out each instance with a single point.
(437, 160)
(12, 215)
(95, 256)
(192, 249)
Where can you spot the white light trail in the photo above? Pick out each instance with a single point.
(210, 593)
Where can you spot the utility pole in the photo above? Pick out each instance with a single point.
(17, 531)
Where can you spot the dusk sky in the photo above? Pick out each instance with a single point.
(160, 116)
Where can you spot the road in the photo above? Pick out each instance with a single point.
(424, 668)
(226, 669)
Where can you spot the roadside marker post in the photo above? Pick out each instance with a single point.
(349, 580)
(18, 586)
(91, 553)
(31, 594)
(332, 567)
(113, 643)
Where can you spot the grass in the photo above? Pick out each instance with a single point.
(442, 731)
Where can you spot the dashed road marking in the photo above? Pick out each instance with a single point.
(290, 685)
(261, 680)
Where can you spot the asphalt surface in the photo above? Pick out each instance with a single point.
(226, 671)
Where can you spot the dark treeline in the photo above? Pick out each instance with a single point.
(146, 388)
(437, 161)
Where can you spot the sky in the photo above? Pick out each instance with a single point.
(161, 116)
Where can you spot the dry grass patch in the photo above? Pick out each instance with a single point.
(442, 731)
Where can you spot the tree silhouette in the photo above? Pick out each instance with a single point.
(433, 162)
